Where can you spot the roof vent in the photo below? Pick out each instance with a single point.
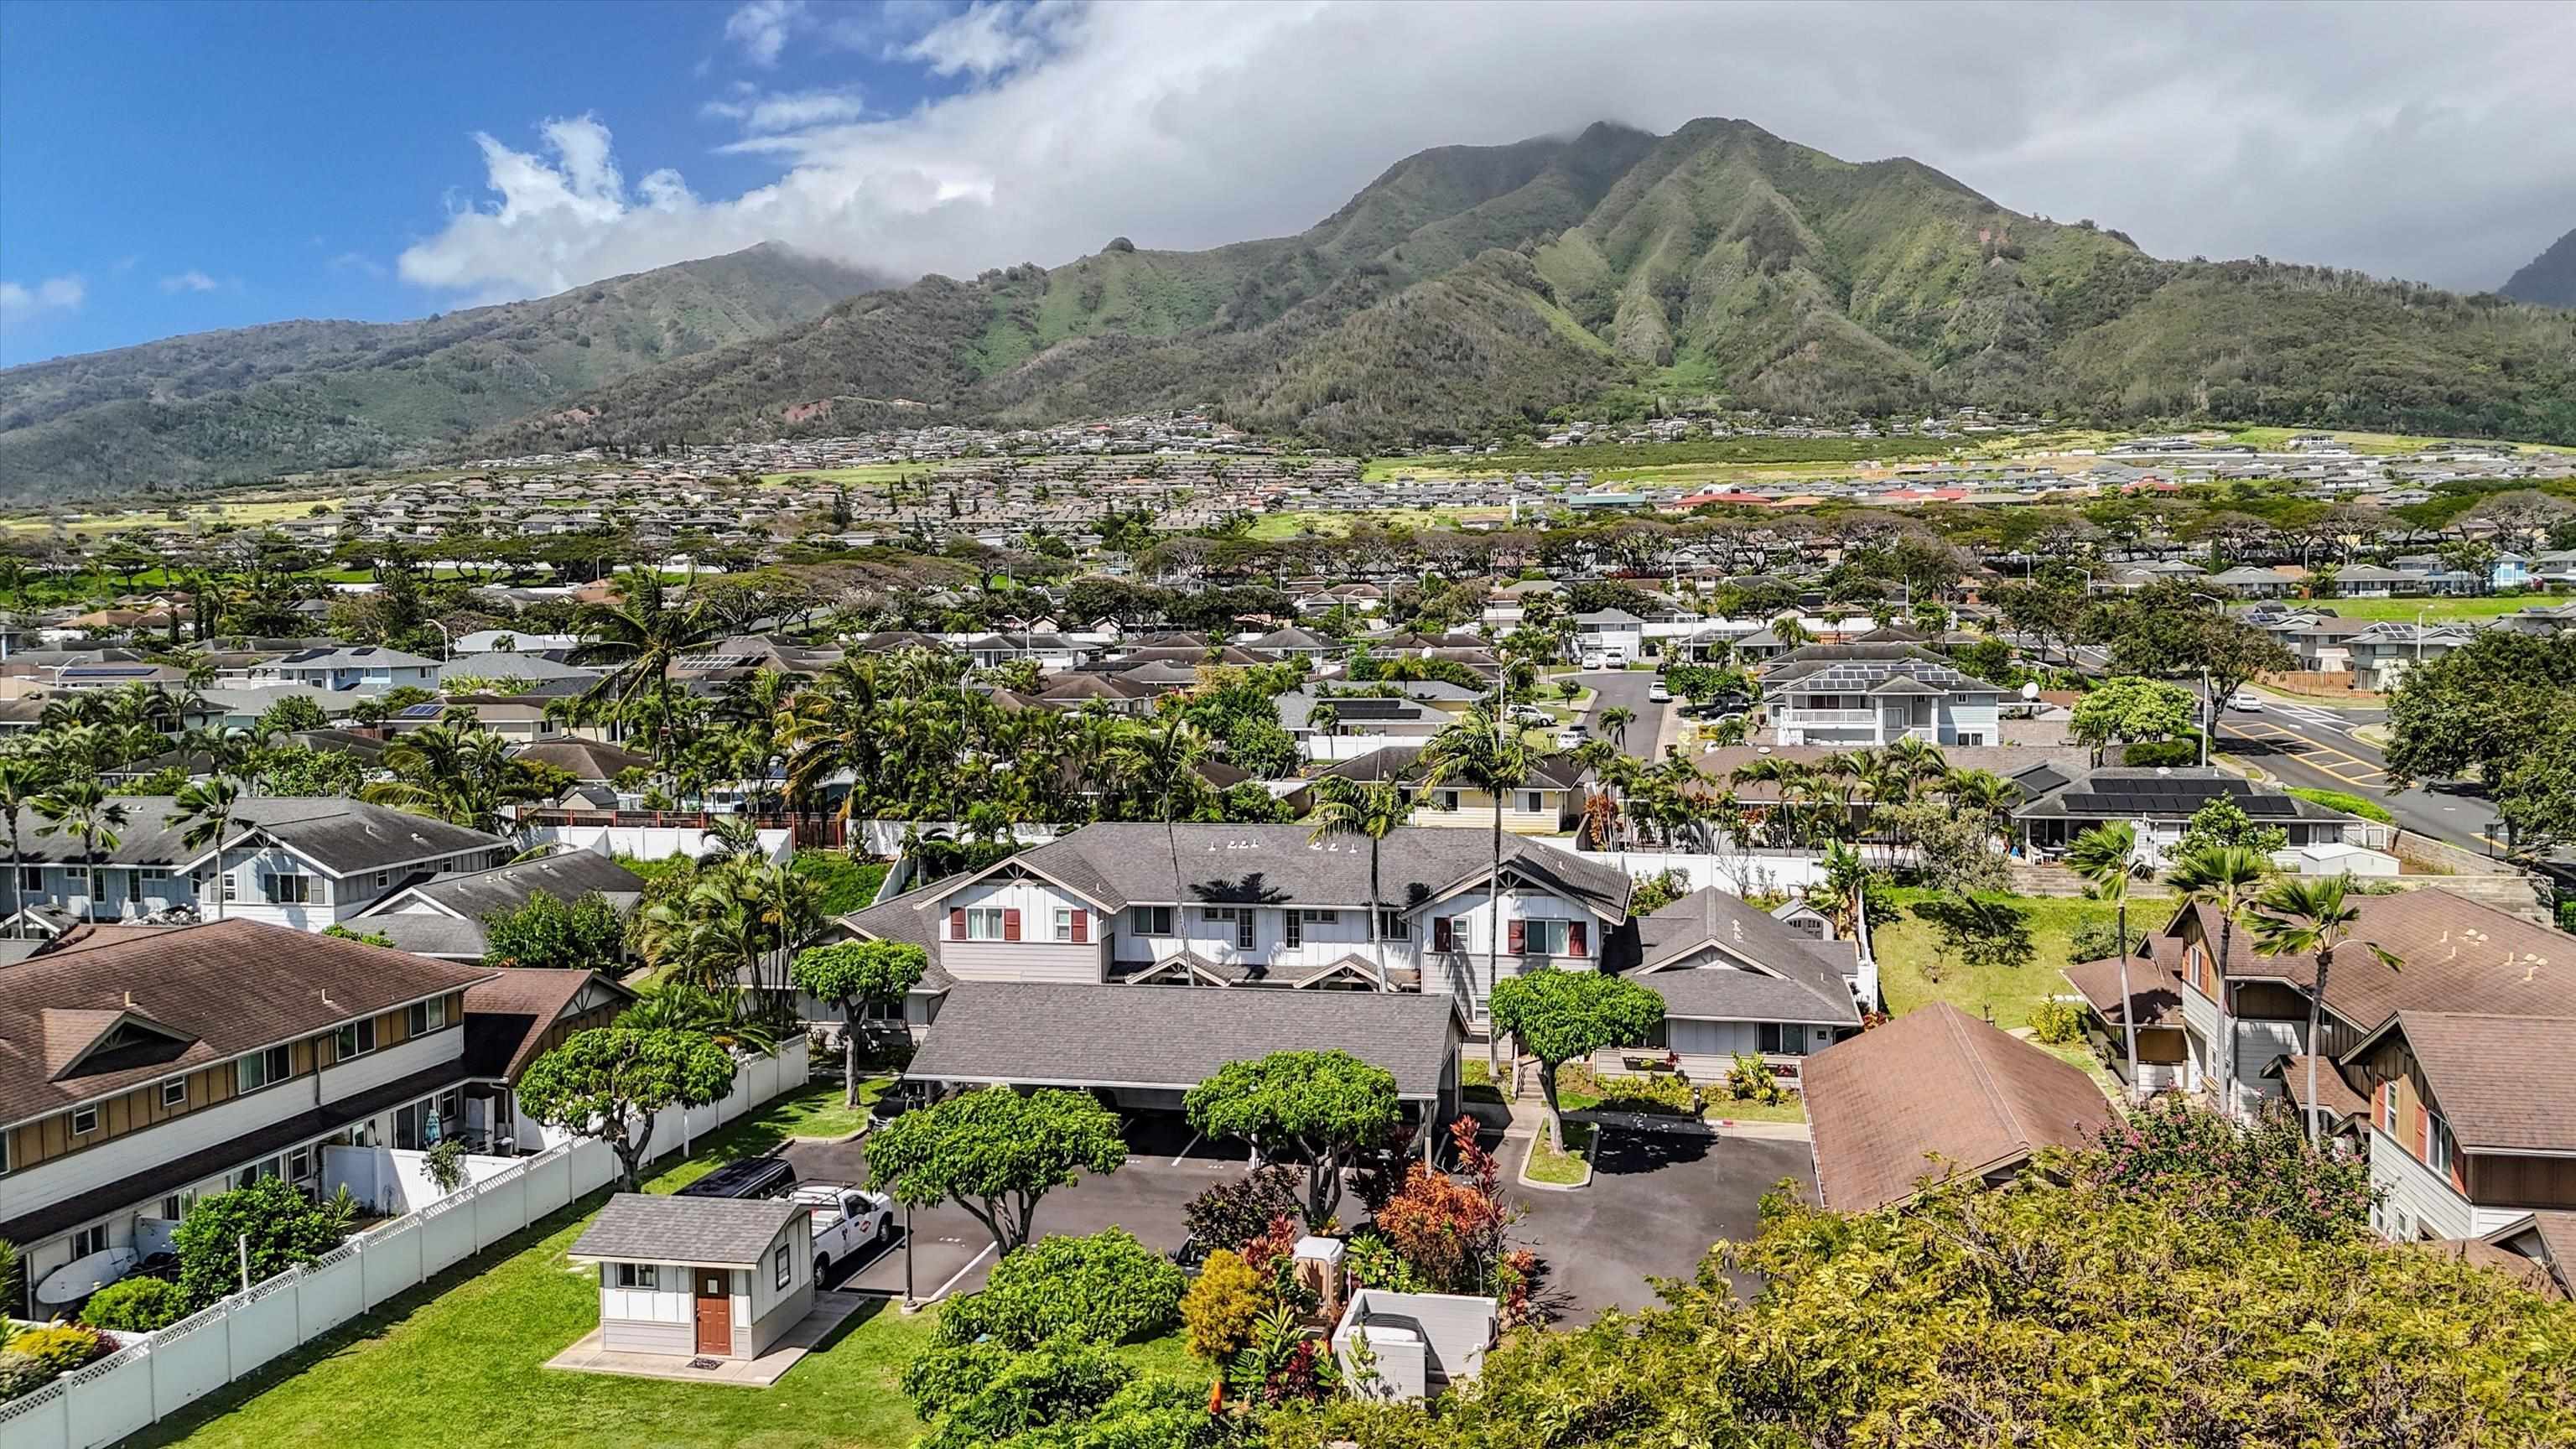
(129, 999)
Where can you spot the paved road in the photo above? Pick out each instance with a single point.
(1655, 723)
(1655, 1206)
(2312, 747)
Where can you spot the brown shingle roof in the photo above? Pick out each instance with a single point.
(2454, 955)
(220, 989)
(2333, 1092)
(1938, 1083)
(2155, 989)
(507, 1017)
(2503, 1083)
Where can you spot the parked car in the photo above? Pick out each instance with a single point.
(1659, 693)
(2246, 700)
(847, 1221)
(751, 1177)
(1593, 660)
(1575, 732)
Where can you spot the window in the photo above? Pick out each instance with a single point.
(31, 878)
(779, 1266)
(1321, 918)
(357, 1038)
(260, 1069)
(384, 878)
(1236, 917)
(1292, 929)
(134, 887)
(427, 1016)
(2388, 1108)
(1783, 1041)
(4, 1154)
(1150, 920)
(1532, 802)
(639, 1275)
(287, 890)
(1063, 924)
(299, 1164)
(2437, 1145)
(89, 1240)
(174, 1092)
(176, 1205)
(1544, 938)
(232, 887)
(984, 923)
(1447, 799)
(1391, 926)
(84, 1121)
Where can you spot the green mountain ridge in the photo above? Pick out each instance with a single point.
(1471, 289)
(2549, 279)
(288, 397)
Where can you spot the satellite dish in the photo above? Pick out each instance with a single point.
(2030, 689)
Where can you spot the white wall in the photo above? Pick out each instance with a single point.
(157, 1374)
(652, 842)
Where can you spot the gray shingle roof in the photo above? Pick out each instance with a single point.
(1809, 984)
(567, 877)
(342, 836)
(1174, 1036)
(715, 1232)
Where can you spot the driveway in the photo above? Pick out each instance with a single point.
(1629, 687)
(951, 1252)
(1656, 1203)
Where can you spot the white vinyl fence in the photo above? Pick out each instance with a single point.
(155, 1374)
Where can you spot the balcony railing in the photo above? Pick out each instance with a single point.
(1843, 717)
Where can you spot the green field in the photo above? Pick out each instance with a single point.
(1302, 523)
(1912, 973)
(461, 1361)
(871, 475)
(2361, 442)
(2434, 610)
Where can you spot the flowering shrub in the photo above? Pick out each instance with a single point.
(2057, 1022)
(1750, 1079)
(1449, 1229)
(2263, 1169)
(1232, 1213)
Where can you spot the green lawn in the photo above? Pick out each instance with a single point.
(848, 885)
(1793, 1108)
(460, 1362)
(818, 1111)
(1564, 1168)
(2080, 1057)
(2434, 610)
(1911, 971)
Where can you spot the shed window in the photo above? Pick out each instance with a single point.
(639, 1275)
(779, 1266)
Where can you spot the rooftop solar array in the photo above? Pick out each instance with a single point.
(2150, 796)
(1354, 709)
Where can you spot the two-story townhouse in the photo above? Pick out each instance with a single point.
(2382, 653)
(1549, 802)
(368, 667)
(1265, 906)
(154, 1067)
(1850, 695)
(1616, 635)
(2472, 1119)
(304, 863)
(446, 916)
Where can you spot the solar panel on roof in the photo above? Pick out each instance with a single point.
(1373, 708)
(420, 711)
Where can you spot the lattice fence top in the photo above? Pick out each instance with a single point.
(30, 1403)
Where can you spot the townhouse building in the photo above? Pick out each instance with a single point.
(143, 1068)
(2452, 1069)
(369, 667)
(304, 863)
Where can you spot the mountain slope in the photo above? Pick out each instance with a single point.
(293, 396)
(1475, 288)
(2549, 279)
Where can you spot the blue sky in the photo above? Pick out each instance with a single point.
(170, 168)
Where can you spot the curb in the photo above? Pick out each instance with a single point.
(1522, 1174)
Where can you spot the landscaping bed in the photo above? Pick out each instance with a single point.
(1567, 1166)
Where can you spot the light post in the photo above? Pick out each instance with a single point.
(446, 644)
(2419, 634)
(2208, 694)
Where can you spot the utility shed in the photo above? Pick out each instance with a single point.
(699, 1277)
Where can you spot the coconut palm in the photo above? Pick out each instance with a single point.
(2106, 856)
(83, 809)
(1615, 721)
(1372, 812)
(1481, 749)
(2308, 916)
(23, 780)
(677, 1006)
(206, 810)
(640, 637)
(2224, 877)
(462, 776)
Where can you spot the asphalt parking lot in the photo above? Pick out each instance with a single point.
(951, 1252)
(1655, 1205)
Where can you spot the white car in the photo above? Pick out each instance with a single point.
(2246, 700)
(1593, 660)
(1659, 693)
(848, 1222)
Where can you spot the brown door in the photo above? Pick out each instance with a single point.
(715, 1312)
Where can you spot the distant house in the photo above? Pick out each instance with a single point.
(1735, 982)
(1847, 695)
(511, 1019)
(1934, 1096)
(368, 667)
(1618, 636)
(2060, 805)
(444, 917)
(1549, 802)
(2248, 582)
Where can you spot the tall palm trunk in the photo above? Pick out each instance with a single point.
(1377, 946)
(2316, 1024)
(2128, 1003)
(17, 882)
(1494, 943)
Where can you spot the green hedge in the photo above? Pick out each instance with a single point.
(2348, 804)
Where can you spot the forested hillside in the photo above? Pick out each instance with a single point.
(2549, 279)
(291, 396)
(1470, 289)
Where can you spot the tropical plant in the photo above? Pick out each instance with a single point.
(2106, 856)
(1563, 1016)
(877, 974)
(464, 776)
(1323, 1108)
(1104, 1288)
(23, 781)
(1371, 812)
(2308, 916)
(82, 808)
(206, 810)
(254, 1232)
(609, 1082)
(2224, 878)
(996, 1153)
(1481, 750)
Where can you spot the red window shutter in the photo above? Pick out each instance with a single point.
(1574, 942)
(957, 925)
(1519, 938)
(1011, 924)
(1081, 927)
(1441, 939)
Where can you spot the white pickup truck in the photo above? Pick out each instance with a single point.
(847, 1222)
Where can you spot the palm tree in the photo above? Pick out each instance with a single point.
(676, 1006)
(2107, 857)
(462, 776)
(641, 635)
(22, 782)
(2308, 916)
(207, 811)
(1372, 812)
(2223, 876)
(1479, 748)
(1615, 720)
(83, 808)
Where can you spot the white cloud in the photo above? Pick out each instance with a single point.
(761, 28)
(766, 112)
(190, 280)
(19, 303)
(2197, 128)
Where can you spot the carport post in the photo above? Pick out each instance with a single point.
(908, 1304)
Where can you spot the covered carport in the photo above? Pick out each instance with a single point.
(1142, 1048)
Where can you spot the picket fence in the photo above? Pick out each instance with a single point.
(154, 1375)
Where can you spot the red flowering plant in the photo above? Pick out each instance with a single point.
(2174, 1149)
(1451, 1229)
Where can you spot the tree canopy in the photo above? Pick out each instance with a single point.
(995, 1153)
(1562, 1016)
(609, 1081)
(1324, 1107)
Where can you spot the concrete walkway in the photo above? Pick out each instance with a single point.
(830, 1310)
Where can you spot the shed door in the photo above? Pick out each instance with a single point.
(715, 1311)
